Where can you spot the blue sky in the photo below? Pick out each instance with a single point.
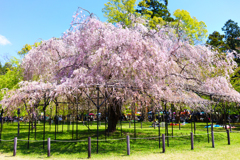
(28, 21)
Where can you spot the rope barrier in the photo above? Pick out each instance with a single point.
(102, 140)
(201, 134)
(110, 140)
(32, 140)
(187, 135)
(235, 131)
(220, 132)
(147, 138)
(69, 141)
(7, 140)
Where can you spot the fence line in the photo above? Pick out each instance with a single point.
(102, 140)
(235, 131)
(32, 140)
(7, 140)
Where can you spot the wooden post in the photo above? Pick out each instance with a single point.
(56, 120)
(97, 115)
(49, 146)
(62, 124)
(28, 133)
(228, 137)
(172, 118)
(207, 132)
(77, 119)
(128, 145)
(120, 121)
(225, 118)
(191, 125)
(163, 143)
(62, 118)
(213, 145)
(159, 132)
(167, 137)
(192, 147)
(15, 146)
(73, 128)
(106, 119)
(35, 129)
(135, 134)
(18, 120)
(89, 147)
(194, 125)
(44, 118)
(1, 125)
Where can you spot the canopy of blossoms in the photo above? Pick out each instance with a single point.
(123, 62)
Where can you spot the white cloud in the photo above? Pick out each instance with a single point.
(4, 40)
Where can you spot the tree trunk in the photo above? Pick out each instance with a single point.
(114, 114)
(177, 118)
(82, 116)
(153, 115)
(220, 120)
(145, 114)
(225, 118)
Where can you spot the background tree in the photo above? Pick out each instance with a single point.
(11, 78)
(155, 11)
(152, 10)
(216, 40)
(7, 66)
(155, 8)
(196, 31)
(235, 80)
(27, 47)
(232, 33)
(119, 11)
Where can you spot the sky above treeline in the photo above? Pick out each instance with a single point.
(28, 21)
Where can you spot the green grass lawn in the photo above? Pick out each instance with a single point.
(113, 147)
